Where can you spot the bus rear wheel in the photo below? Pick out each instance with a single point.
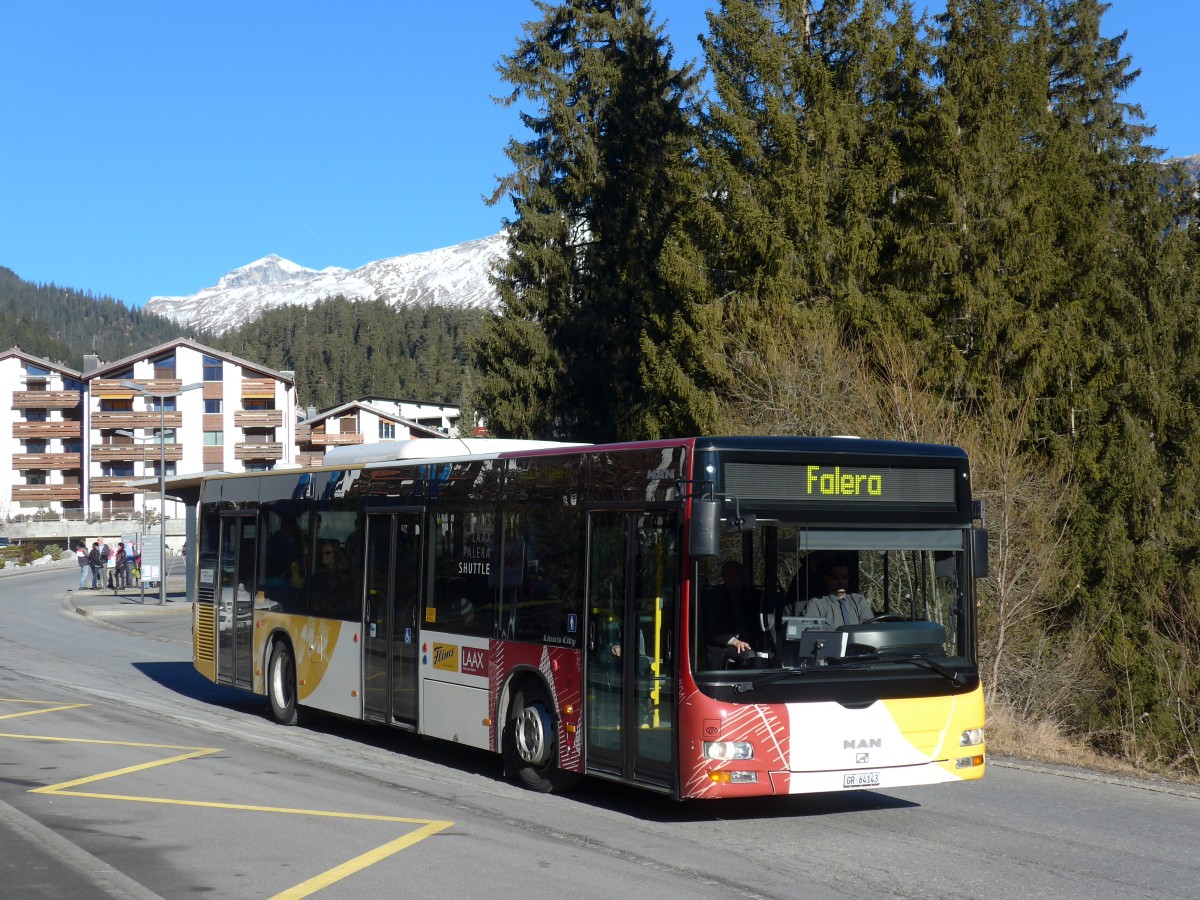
(531, 742)
(281, 685)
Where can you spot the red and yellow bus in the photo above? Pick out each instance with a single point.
(561, 605)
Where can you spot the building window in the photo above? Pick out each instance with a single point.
(35, 445)
(117, 470)
(259, 404)
(387, 431)
(35, 477)
(214, 439)
(213, 368)
(152, 470)
(72, 384)
(108, 405)
(259, 466)
(167, 404)
(31, 369)
(35, 415)
(164, 367)
(213, 407)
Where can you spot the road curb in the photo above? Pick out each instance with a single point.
(129, 609)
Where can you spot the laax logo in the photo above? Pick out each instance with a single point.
(862, 744)
(474, 661)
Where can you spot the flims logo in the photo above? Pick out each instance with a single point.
(445, 656)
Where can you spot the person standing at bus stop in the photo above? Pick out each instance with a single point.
(120, 568)
(81, 557)
(95, 564)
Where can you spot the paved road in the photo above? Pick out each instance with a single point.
(118, 696)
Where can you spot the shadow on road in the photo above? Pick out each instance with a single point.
(182, 678)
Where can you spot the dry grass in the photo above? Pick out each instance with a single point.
(1008, 734)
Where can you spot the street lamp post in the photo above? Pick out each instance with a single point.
(162, 397)
(143, 441)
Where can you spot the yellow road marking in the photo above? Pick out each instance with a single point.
(429, 827)
(34, 712)
(361, 862)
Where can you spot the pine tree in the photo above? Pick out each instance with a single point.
(819, 111)
(591, 341)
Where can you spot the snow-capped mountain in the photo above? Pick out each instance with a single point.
(452, 276)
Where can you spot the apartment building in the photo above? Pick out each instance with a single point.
(72, 442)
(212, 412)
(368, 421)
(41, 435)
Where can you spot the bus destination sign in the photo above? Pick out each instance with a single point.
(838, 485)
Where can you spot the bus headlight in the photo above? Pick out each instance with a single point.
(971, 737)
(728, 750)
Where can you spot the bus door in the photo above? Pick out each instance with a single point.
(630, 677)
(235, 598)
(393, 580)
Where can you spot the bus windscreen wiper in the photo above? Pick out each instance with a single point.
(955, 678)
(743, 687)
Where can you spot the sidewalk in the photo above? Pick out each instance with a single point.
(106, 603)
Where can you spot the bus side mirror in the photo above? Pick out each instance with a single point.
(979, 552)
(705, 536)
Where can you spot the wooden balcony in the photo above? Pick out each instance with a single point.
(46, 461)
(109, 388)
(258, 418)
(134, 452)
(321, 439)
(46, 399)
(310, 459)
(258, 388)
(113, 484)
(26, 430)
(45, 493)
(272, 450)
(131, 420)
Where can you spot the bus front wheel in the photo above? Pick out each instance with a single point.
(281, 685)
(531, 742)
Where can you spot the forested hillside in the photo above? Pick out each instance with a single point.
(62, 324)
(953, 230)
(342, 349)
(339, 349)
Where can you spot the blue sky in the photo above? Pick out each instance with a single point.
(152, 147)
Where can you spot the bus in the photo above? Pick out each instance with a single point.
(554, 604)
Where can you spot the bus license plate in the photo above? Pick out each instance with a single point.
(861, 779)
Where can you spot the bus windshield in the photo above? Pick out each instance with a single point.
(788, 596)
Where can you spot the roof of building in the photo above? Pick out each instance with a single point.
(341, 409)
(61, 368)
(199, 348)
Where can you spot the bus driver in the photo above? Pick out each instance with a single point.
(838, 606)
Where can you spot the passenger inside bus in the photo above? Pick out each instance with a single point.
(735, 633)
(330, 579)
